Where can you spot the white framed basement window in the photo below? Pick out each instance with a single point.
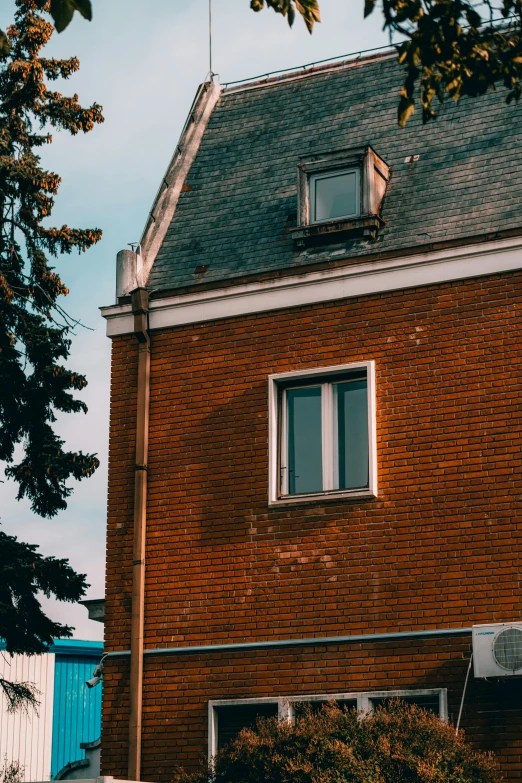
(226, 717)
(322, 434)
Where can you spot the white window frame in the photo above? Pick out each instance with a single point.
(286, 711)
(327, 173)
(277, 435)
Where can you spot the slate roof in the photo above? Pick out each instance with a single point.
(242, 188)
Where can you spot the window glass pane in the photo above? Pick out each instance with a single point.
(232, 719)
(305, 459)
(347, 704)
(315, 706)
(335, 196)
(430, 703)
(351, 405)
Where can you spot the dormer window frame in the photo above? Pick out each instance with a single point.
(373, 177)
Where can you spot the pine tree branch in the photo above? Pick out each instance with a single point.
(20, 695)
(35, 328)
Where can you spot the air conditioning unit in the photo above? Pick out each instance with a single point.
(497, 650)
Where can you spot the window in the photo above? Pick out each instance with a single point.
(430, 702)
(228, 717)
(322, 433)
(316, 705)
(232, 718)
(334, 194)
(340, 193)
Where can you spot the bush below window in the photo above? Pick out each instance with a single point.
(397, 742)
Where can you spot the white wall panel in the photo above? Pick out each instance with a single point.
(27, 737)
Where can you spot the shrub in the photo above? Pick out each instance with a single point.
(397, 743)
(11, 772)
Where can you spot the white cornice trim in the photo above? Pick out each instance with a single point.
(356, 280)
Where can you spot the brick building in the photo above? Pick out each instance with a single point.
(326, 486)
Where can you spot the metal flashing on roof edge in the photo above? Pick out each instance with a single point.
(167, 197)
(340, 59)
(302, 642)
(312, 69)
(78, 647)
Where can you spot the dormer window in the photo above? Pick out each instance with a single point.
(334, 194)
(340, 194)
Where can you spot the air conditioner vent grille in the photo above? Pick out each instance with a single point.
(507, 649)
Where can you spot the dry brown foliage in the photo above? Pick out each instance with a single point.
(397, 743)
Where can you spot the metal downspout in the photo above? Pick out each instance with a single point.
(140, 310)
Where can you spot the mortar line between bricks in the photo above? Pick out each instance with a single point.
(307, 641)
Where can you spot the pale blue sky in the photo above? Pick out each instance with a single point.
(143, 62)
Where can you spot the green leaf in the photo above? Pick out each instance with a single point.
(309, 10)
(84, 7)
(473, 18)
(405, 110)
(4, 44)
(369, 5)
(62, 11)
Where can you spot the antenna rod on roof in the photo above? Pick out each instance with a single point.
(210, 39)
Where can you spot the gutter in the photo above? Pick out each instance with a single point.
(140, 311)
(306, 642)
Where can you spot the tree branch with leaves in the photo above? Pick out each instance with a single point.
(34, 328)
(35, 383)
(449, 48)
(24, 627)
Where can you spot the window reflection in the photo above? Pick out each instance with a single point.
(351, 407)
(305, 462)
(335, 195)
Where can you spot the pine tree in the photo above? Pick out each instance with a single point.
(24, 627)
(34, 328)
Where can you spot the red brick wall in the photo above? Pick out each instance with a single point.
(439, 546)
(177, 691)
